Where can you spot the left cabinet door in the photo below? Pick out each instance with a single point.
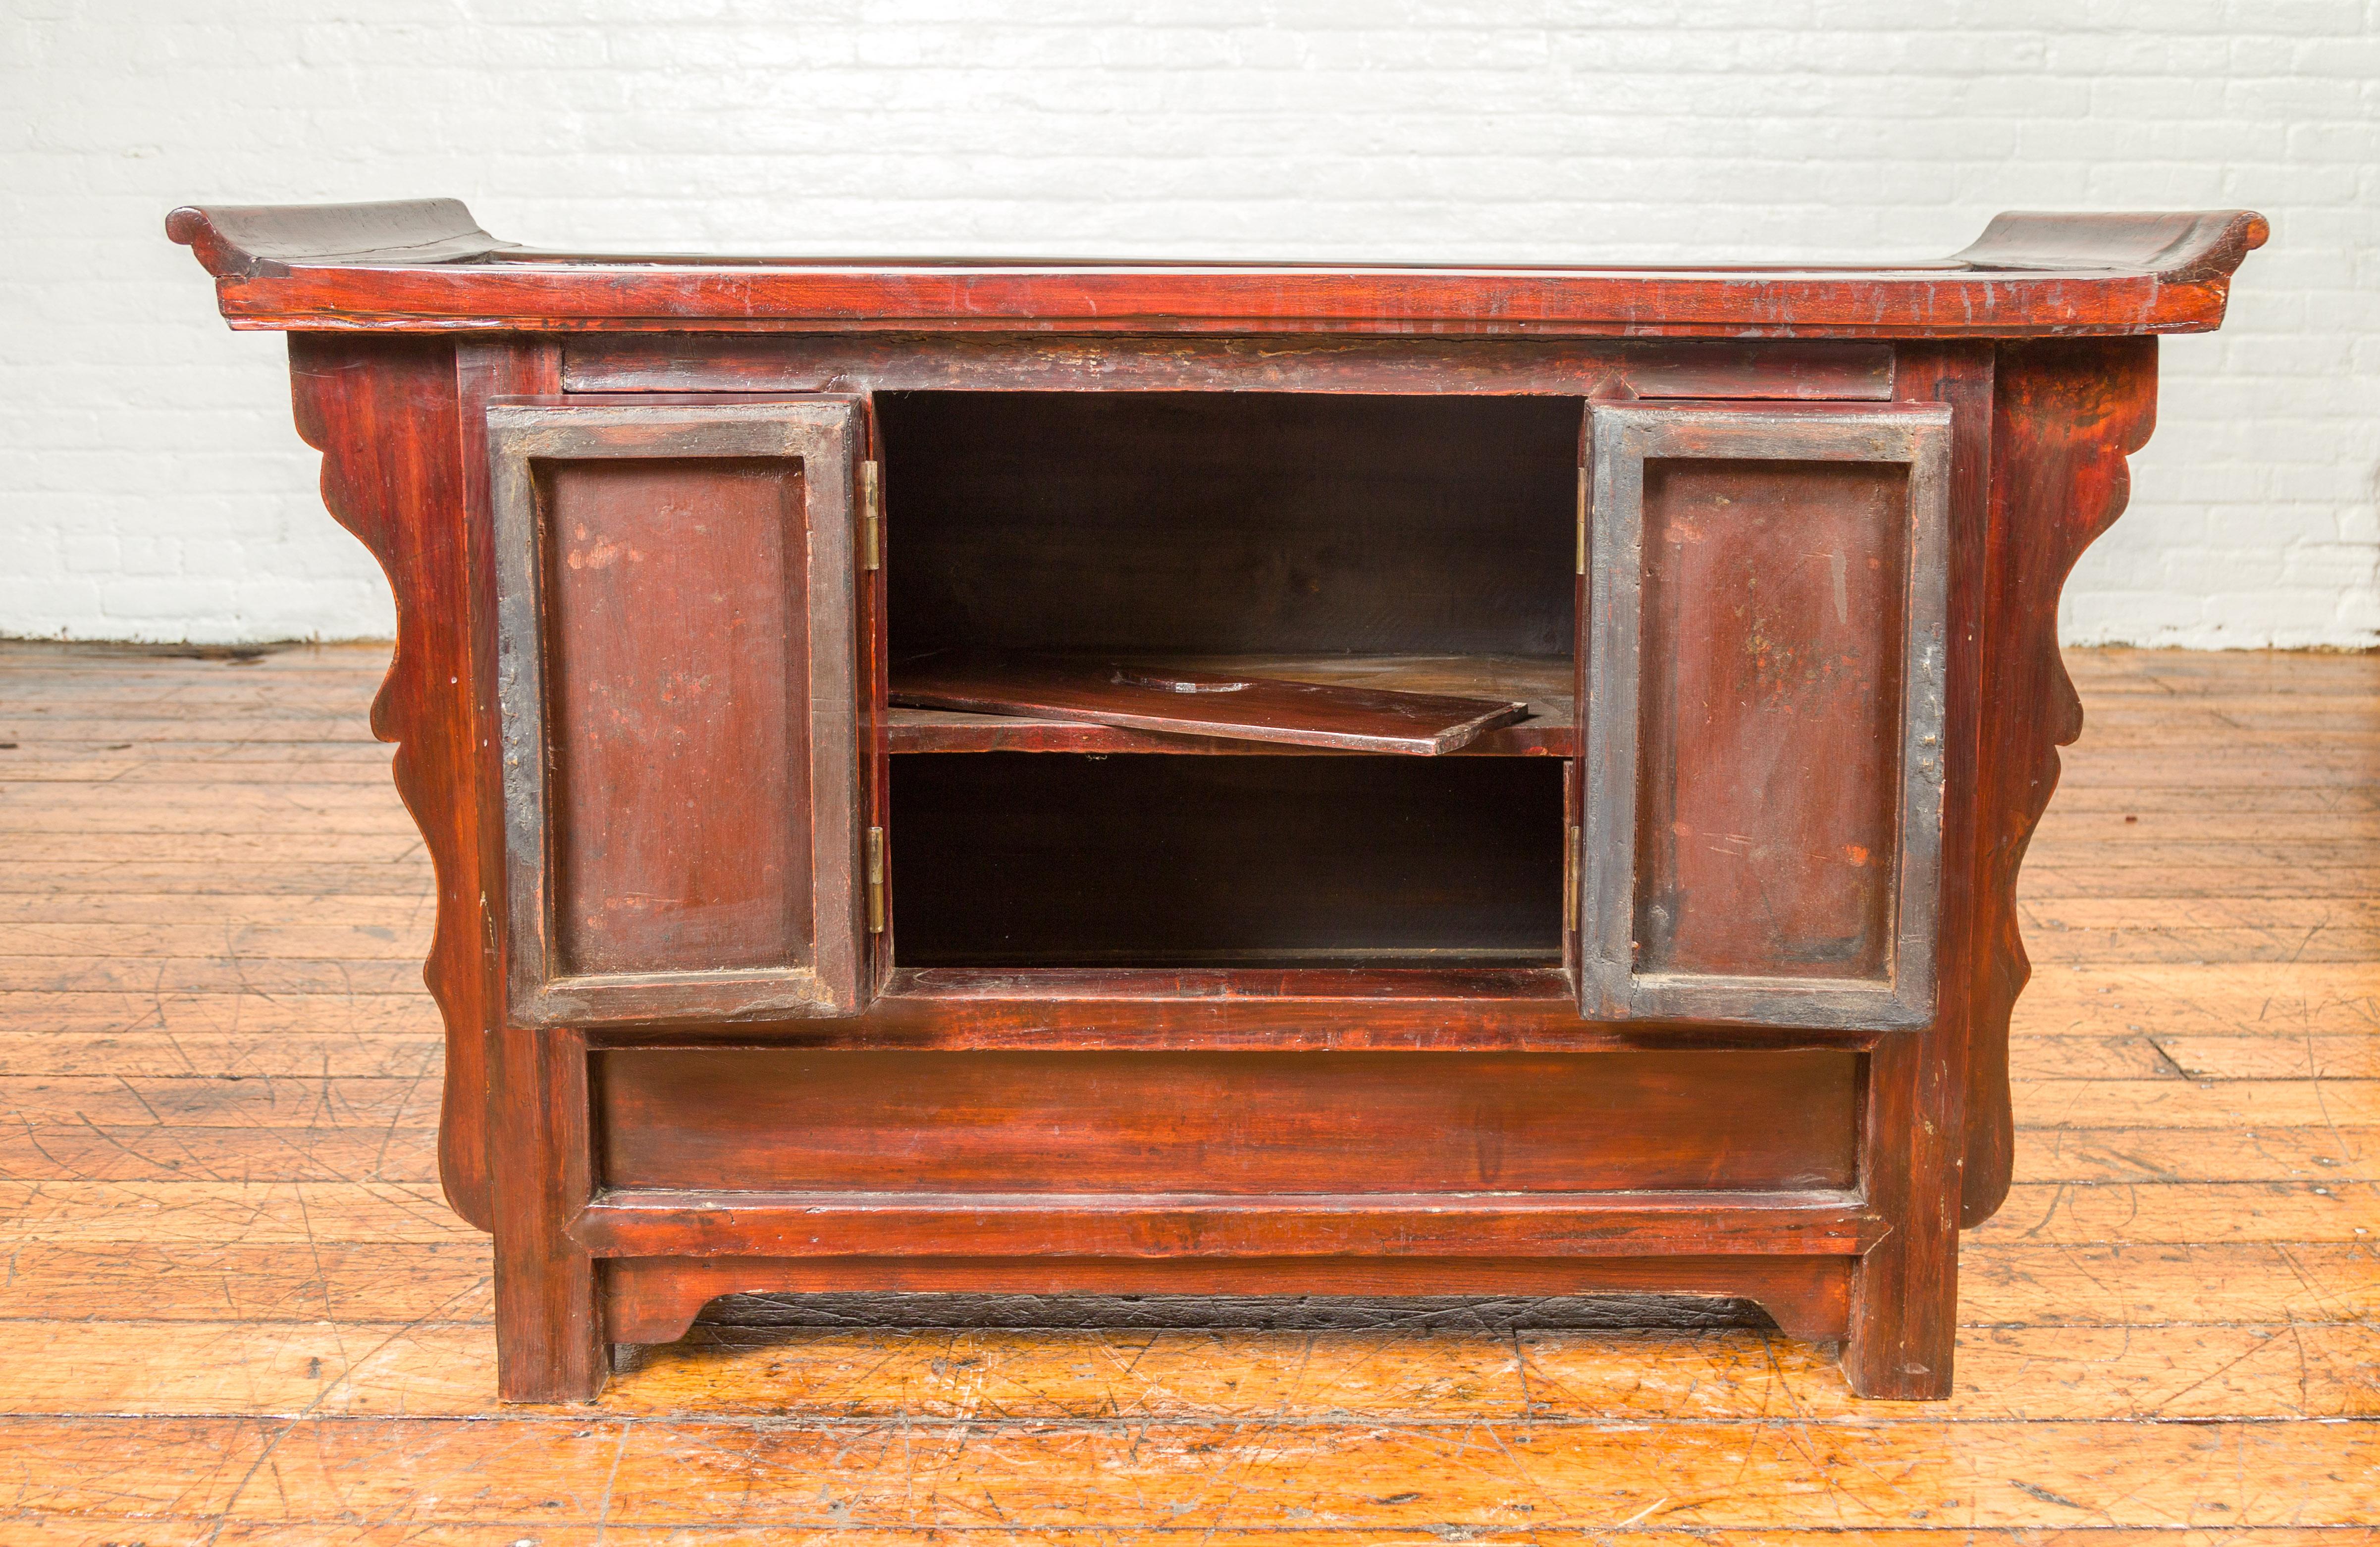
(678, 677)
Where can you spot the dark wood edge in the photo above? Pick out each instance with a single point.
(2185, 247)
(653, 998)
(250, 241)
(717, 1223)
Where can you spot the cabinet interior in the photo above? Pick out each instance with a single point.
(1392, 541)
(1010, 859)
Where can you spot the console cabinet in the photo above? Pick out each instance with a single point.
(1689, 974)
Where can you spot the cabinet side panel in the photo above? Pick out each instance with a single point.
(2066, 414)
(383, 412)
(1773, 636)
(675, 635)
(1224, 1122)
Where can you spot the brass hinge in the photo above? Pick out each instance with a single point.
(1581, 520)
(875, 878)
(871, 516)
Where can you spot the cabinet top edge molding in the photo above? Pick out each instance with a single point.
(426, 266)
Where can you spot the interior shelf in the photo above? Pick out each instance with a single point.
(1544, 682)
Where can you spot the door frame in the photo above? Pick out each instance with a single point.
(1621, 437)
(824, 435)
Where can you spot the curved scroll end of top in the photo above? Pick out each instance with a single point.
(251, 241)
(2189, 246)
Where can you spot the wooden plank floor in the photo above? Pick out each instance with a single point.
(239, 1311)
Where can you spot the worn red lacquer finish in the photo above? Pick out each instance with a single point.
(384, 415)
(2065, 417)
(755, 983)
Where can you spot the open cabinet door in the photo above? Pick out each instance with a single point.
(680, 692)
(1762, 730)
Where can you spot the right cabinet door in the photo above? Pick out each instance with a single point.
(1763, 716)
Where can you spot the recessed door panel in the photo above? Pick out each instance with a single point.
(679, 699)
(1763, 735)
(675, 645)
(1768, 717)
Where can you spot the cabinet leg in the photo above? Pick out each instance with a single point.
(548, 1345)
(1904, 1314)
(1903, 1326)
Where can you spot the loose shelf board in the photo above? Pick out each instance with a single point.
(1198, 702)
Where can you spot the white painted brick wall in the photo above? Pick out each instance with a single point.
(150, 486)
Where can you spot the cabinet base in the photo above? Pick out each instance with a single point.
(642, 1300)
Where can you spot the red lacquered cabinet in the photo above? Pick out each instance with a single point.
(1685, 968)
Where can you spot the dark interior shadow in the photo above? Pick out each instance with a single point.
(1240, 1312)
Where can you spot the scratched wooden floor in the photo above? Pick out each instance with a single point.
(238, 1312)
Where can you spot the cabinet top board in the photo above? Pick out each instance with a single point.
(425, 266)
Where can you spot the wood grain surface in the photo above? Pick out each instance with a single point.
(1241, 1123)
(425, 264)
(241, 1312)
